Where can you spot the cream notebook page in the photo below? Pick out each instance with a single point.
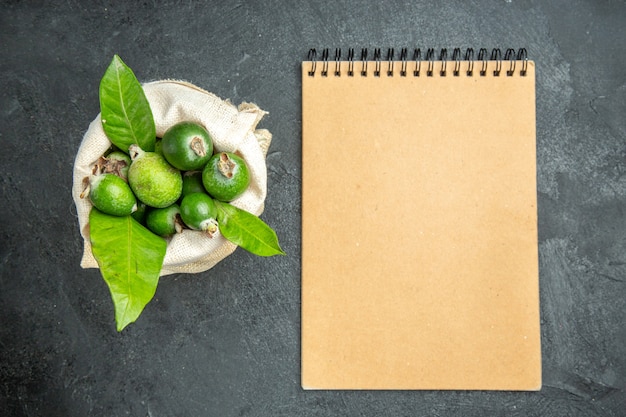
(419, 227)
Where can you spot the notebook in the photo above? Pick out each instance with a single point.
(419, 221)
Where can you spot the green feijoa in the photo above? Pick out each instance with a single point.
(140, 213)
(158, 146)
(187, 146)
(111, 195)
(152, 179)
(225, 176)
(192, 183)
(199, 212)
(164, 221)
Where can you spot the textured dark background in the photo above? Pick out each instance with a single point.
(226, 342)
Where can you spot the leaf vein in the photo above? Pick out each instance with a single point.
(123, 104)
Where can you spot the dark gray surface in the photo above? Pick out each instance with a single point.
(226, 342)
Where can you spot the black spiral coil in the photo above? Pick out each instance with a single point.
(511, 56)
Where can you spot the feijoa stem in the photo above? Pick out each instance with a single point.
(209, 226)
(197, 146)
(134, 151)
(225, 165)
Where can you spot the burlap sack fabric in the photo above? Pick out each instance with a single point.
(232, 128)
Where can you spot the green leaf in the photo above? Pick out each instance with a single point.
(247, 230)
(130, 259)
(125, 112)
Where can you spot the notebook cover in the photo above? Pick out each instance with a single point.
(419, 231)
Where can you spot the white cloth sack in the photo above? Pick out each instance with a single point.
(232, 129)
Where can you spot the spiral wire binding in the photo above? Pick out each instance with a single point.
(325, 63)
(350, 62)
(469, 57)
(496, 56)
(338, 62)
(403, 54)
(456, 57)
(510, 55)
(313, 58)
(377, 62)
(482, 56)
(364, 61)
(390, 54)
(417, 56)
(430, 57)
